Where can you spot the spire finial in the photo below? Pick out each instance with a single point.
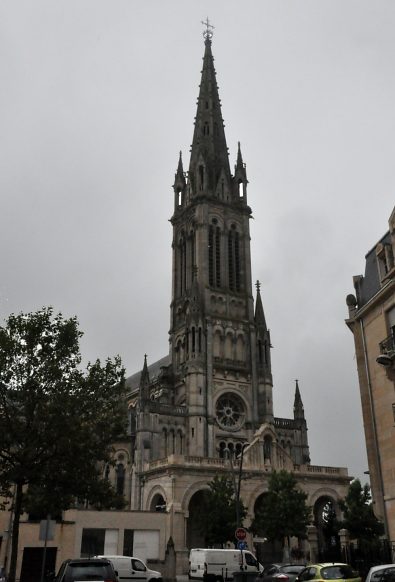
(258, 286)
(208, 33)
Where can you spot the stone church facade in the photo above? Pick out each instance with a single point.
(211, 397)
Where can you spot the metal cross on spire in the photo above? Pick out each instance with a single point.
(258, 285)
(208, 33)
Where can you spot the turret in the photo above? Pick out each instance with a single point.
(298, 404)
(262, 335)
(179, 185)
(144, 382)
(240, 178)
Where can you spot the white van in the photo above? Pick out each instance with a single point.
(129, 569)
(212, 564)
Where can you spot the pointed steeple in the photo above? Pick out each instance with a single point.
(262, 336)
(180, 177)
(179, 185)
(259, 313)
(298, 404)
(144, 380)
(209, 152)
(239, 162)
(240, 178)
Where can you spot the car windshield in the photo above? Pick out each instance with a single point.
(342, 572)
(292, 569)
(89, 571)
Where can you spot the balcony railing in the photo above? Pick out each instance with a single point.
(387, 346)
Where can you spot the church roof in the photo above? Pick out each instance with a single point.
(133, 381)
(368, 285)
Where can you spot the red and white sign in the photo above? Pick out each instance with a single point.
(240, 534)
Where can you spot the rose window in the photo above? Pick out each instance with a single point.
(230, 412)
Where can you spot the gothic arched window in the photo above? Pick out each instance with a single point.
(182, 264)
(267, 448)
(192, 254)
(234, 259)
(201, 177)
(120, 472)
(214, 255)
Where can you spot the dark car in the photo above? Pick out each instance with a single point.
(84, 569)
(280, 572)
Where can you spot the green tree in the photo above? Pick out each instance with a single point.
(358, 514)
(283, 512)
(57, 421)
(217, 520)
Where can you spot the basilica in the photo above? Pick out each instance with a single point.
(209, 402)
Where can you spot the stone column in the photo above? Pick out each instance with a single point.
(344, 537)
(312, 538)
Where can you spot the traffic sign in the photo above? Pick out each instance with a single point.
(240, 534)
(241, 545)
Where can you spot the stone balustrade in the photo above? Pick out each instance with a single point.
(210, 462)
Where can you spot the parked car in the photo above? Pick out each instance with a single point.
(330, 572)
(280, 572)
(220, 564)
(383, 573)
(129, 569)
(86, 569)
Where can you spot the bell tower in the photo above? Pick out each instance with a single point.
(219, 348)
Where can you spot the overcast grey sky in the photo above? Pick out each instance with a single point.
(97, 97)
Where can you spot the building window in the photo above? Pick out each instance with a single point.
(128, 536)
(182, 266)
(234, 259)
(192, 255)
(214, 256)
(201, 177)
(92, 543)
(230, 412)
(267, 448)
(385, 259)
(120, 471)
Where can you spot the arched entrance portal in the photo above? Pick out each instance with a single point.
(265, 551)
(325, 512)
(195, 539)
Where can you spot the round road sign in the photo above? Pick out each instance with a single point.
(240, 534)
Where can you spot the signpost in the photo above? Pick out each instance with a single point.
(240, 535)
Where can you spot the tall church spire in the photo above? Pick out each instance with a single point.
(209, 152)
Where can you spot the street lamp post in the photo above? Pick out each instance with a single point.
(237, 483)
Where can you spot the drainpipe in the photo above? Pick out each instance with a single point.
(375, 437)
